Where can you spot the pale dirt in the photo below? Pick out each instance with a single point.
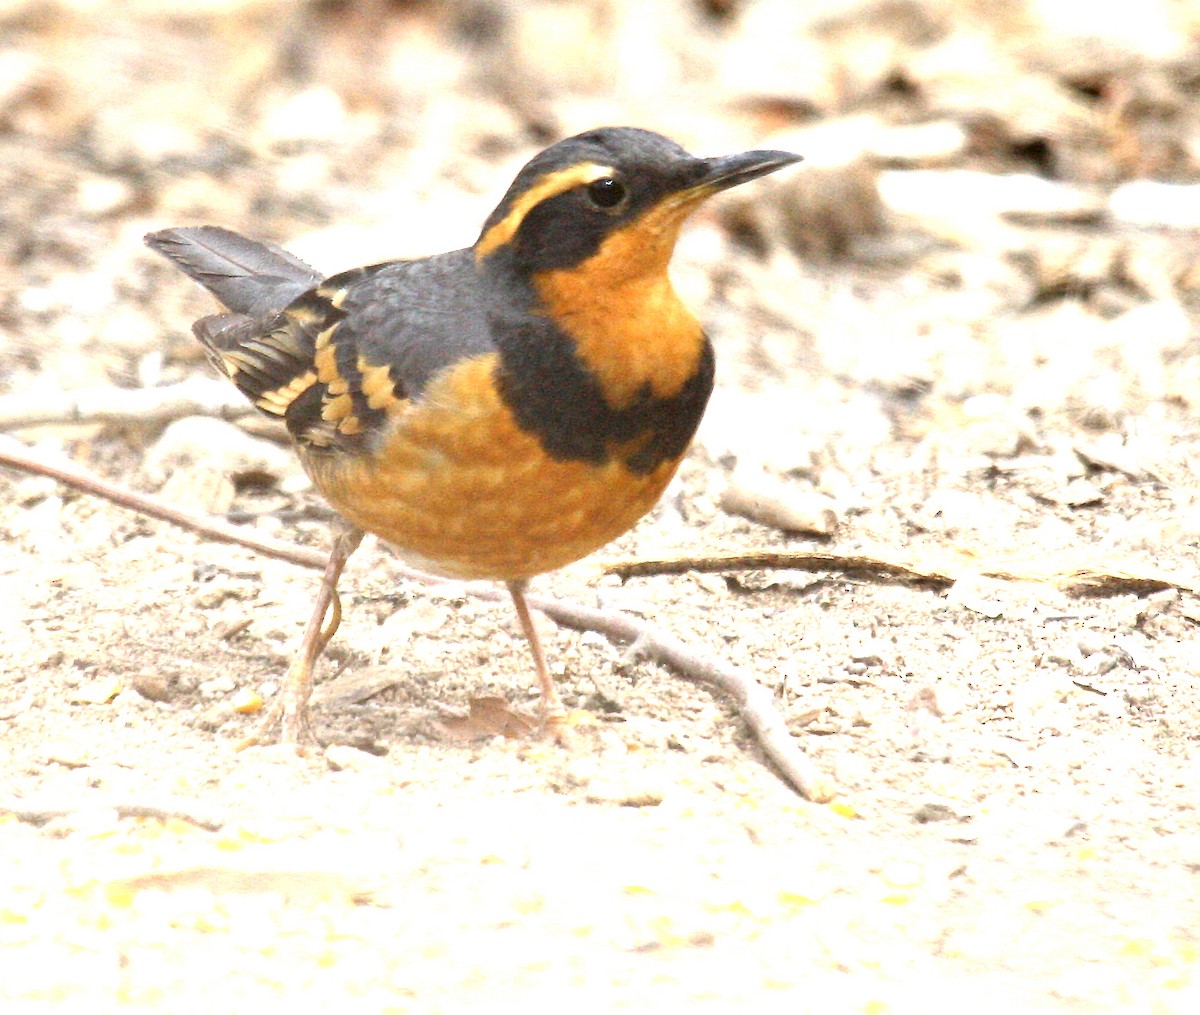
(1016, 828)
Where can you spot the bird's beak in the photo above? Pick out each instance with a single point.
(731, 170)
(700, 179)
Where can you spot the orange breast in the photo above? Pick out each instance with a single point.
(458, 488)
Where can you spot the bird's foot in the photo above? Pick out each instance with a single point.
(558, 727)
(288, 718)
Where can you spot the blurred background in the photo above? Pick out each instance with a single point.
(984, 209)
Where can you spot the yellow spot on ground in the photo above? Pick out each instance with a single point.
(794, 901)
(247, 701)
(119, 894)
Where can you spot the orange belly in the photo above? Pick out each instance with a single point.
(457, 487)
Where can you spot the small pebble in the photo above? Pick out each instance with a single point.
(1076, 493)
(871, 653)
(344, 758)
(67, 754)
(769, 501)
(930, 812)
(713, 584)
(972, 594)
(217, 687)
(1064, 654)
(213, 717)
(153, 686)
(103, 195)
(632, 789)
(597, 641)
(1159, 603)
(1098, 664)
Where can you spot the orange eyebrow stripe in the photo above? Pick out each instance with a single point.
(550, 186)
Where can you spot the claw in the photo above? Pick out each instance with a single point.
(560, 731)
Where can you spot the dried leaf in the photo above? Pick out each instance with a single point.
(486, 718)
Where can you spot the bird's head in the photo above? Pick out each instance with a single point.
(613, 198)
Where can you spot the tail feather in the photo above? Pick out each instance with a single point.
(246, 276)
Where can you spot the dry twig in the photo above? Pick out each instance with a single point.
(850, 564)
(16, 456)
(755, 703)
(1069, 575)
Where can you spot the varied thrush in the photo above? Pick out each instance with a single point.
(493, 412)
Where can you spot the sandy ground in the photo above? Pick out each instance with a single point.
(1016, 756)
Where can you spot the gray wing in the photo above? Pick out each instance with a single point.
(332, 358)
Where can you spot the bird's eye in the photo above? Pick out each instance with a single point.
(606, 193)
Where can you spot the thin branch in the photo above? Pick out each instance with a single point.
(1070, 576)
(852, 565)
(200, 396)
(14, 455)
(755, 703)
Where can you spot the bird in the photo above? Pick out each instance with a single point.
(493, 412)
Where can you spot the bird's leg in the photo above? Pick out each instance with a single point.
(289, 710)
(554, 716)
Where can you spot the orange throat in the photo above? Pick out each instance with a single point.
(619, 307)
